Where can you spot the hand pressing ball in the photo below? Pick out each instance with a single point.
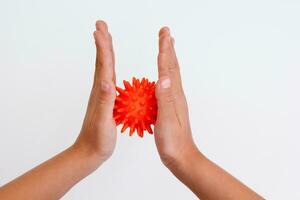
(136, 106)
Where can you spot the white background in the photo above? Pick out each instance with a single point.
(240, 65)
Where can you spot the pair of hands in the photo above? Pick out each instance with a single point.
(172, 129)
(97, 139)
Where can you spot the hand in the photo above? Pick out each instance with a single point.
(172, 129)
(174, 139)
(96, 142)
(98, 133)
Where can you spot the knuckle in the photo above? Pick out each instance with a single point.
(166, 97)
(173, 67)
(169, 97)
(104, 98)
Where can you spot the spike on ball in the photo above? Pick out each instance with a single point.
(136, 106)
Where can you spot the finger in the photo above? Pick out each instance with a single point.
(164, 31)
(105, 54)
(165, 100)
(167, 61)
(175, 68)
(105, 101)
(101, 26)
(175, 74)
(168, 66)
(162, 59)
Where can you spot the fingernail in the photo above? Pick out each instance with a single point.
(105, 86)
(165, 83)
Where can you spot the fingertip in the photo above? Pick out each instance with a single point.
(164, 31)
(101, 25)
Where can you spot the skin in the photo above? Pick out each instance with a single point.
(97, 139)
(173, 135)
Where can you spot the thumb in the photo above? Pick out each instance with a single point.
(165, 99)
(106, 99)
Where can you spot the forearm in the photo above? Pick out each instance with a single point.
(209, 181)
(53, 178)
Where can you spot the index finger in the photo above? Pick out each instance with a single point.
(105, 55)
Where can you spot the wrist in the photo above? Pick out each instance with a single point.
(87, 155)
(186, 159)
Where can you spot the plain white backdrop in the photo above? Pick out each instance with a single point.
(240, 65)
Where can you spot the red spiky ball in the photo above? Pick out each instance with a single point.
(136, 106)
